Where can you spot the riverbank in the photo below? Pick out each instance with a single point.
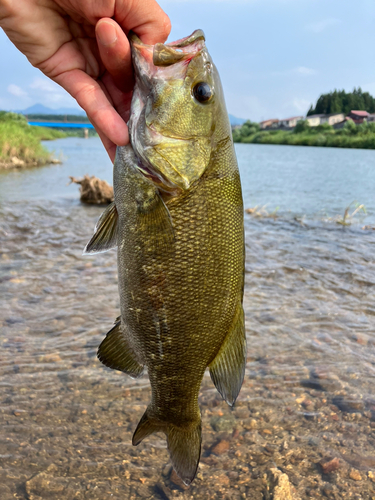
(350, 136)
(20, 144)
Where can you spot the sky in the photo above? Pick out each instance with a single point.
(275, 57)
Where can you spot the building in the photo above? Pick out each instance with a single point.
(371, 118)
(272, 123)
(314, 120)
(290, 122)
(333, 118)
(358, 116)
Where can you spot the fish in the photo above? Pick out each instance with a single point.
(177, 223)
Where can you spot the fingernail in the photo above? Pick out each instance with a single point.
(107, 34)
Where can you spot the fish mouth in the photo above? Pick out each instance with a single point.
(163, 55)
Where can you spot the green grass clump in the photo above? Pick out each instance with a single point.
(350, 136)
(20, 140)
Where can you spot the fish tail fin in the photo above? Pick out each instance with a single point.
(184, 443)
(184, 446)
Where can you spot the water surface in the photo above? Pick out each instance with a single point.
(308, 396)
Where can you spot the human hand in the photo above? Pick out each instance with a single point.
(82, 45)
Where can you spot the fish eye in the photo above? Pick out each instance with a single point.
(202, 92)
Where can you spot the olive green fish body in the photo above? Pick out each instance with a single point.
(177, 221)
(178, 300)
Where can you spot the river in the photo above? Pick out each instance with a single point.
(307, 406)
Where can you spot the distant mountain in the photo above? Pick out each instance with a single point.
(39, 109)
(236, 121)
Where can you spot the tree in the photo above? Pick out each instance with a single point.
(343, 102)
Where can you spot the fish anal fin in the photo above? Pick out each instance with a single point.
(227, 370)
(106, 230)
(184, 442)
(145, 427)
(116, 353)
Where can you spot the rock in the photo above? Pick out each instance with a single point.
(167, 470)
(220, 447)
(93, 190)
(330, 465)
(45, 484)
(281, 487)
(55, 161)
(223, 423)
(355, 475)
(164, 492)
(176, 481)
(16, 162)
(5, 493)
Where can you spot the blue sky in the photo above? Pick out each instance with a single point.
(275, 57)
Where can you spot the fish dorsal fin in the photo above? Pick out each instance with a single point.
(156, 223)
(227, 370)
(116, 353)
(105, 235)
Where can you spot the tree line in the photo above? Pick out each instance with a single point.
(340, 101)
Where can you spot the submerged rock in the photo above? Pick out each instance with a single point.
(94, 190)
(281, 486)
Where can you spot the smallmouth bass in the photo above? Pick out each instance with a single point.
(177, 221)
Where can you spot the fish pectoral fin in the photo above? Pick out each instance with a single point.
(227, 370)
(184, 443)
(116, 353)
(156, 224)
(106, 229)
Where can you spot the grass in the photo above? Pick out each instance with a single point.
(21, 141)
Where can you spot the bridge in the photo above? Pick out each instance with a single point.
(55, 124)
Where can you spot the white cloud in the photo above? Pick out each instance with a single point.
(320, 26)
(302, 70)
(16, 90)
(50, 93)
(45, 85)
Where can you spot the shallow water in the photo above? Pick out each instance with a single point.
(308, 396)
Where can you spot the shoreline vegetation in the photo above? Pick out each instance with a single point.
(20, 144)
(350, 136)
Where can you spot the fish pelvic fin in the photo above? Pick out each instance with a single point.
(106, 230)
(184, 443)
(227, 370)
(116, 353)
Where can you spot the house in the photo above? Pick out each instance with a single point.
(291, 122)
(333, 118)
(358, 116)
(371, 118)
(314, 120)
(272, 123)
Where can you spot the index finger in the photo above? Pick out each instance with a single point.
(145, 17)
